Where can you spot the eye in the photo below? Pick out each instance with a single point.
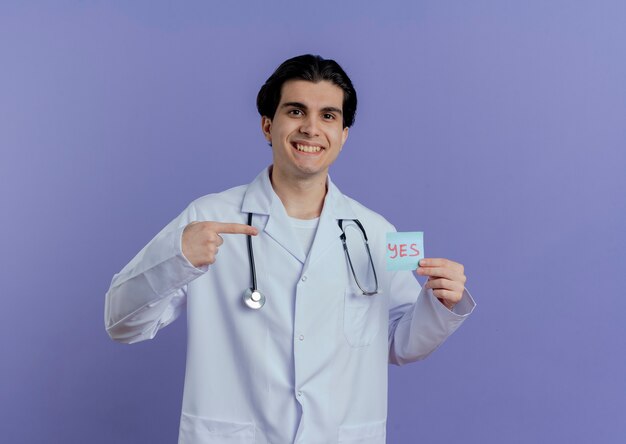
(295, 112)
(328, 116)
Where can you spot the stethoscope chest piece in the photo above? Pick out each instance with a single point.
(253, 299)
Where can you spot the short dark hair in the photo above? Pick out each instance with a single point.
(314, 69)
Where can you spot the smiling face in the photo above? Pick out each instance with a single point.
(307, 130)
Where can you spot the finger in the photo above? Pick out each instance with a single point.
(448, 295)
(441, 262)
(440, 272)
(444, 284)
(215, 239)
(442, 275)
(233, 228)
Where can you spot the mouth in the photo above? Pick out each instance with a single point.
(307, 148)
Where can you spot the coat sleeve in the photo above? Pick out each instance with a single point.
(418, 322)
(150, 291)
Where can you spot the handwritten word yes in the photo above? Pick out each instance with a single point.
(401, 250)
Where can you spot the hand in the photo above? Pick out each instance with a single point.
(201, 240)
(445, 278)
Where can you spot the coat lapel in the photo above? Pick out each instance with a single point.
(260, 198)
(336, 206)
(280, 229)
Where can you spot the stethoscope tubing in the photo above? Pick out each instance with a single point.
(252, 297)
(251, 256)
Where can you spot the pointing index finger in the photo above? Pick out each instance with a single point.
(234, 228)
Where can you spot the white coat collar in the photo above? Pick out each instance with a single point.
(260, 198)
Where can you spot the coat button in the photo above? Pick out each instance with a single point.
(304, 278)
(301, 337)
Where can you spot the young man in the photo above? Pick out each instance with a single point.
(302, 358)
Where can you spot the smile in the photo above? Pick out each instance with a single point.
(307, 148)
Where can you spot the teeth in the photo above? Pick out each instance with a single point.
(308, 148)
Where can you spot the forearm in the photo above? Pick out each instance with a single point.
(425, 326)
(149, 292)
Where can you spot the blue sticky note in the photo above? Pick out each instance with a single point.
(404, 250)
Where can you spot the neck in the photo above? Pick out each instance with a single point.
(303, 198)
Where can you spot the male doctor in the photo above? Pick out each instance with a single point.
(306, 362)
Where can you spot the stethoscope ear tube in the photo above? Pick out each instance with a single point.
(252, 297)
(369, 253)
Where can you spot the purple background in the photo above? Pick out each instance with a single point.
(496, 127)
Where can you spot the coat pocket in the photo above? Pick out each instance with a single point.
(367, 433)
(196, 429)
(361, 318)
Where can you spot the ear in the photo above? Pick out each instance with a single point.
(344, 137)
(266, 127)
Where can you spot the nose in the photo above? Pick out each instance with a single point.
(310, 126)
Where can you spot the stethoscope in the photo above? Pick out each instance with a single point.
(254, 299)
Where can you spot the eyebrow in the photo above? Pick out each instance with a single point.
(326, 109)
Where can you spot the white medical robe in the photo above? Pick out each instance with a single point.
(311, 365)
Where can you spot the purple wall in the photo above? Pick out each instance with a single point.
(499, 128)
